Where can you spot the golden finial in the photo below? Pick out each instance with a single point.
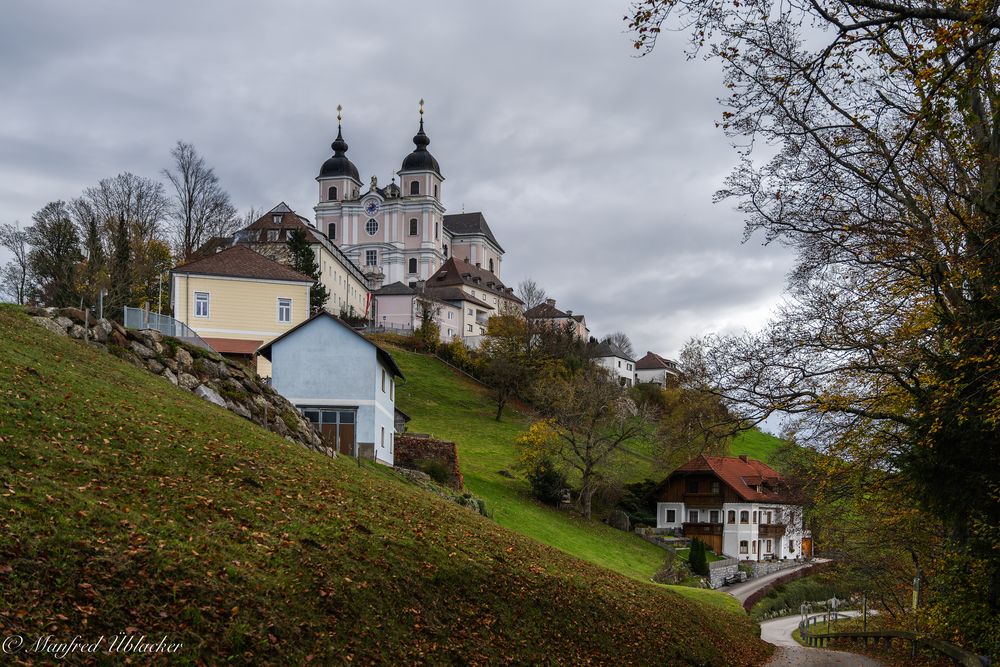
(421, 106)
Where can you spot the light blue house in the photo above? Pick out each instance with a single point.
(341, 381)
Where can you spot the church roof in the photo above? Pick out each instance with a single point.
(460, 224)
(456, 272)
(240, 261)
(339, 164)
(421, 159)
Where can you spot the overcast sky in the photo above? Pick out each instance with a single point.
(594, 168)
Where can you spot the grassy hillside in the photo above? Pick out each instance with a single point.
(130, 505)
(756, 444)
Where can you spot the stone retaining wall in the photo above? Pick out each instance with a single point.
(208, 375)
(413, 449)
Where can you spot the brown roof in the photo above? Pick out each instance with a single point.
(545, 311)
(653, 361)
(233, 345)
(240, 261)
(459, 272)
(454, 294)
(743, 475)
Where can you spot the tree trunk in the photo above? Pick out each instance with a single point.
(586, 495)
(500, 403)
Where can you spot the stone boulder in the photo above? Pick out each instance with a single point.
(170, 377)
(187, 381)
(184, 359)
(48, 323)
(210, 395)
(64, 322)
(142, 350)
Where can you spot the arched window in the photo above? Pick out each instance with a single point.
(414, 187)
(413, 265)
(445, 249)
(731, 518)
(744, 516)
(413, 226)
(491, 265)
(435, 190)
(331, 194)
(331, 230)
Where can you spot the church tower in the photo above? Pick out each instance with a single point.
(338, 177)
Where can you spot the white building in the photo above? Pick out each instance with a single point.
(655, 369)
(738, 506)
(342, 382)
(618, 363)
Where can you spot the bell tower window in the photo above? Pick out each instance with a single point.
(435, 191)
(491, 265)
(413, 226)
(332, 230)
(331, 194)
(414, 187)
(445, 249)
(413, 265)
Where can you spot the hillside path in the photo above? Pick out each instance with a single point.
(791, 654)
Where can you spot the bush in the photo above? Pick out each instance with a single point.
(437, 470)
(697, 558)
(547, 482)
(637, 501)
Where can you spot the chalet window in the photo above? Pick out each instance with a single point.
(413, 265)
(451, 332)
(692, 486)
(276, 218)
(767, 546)
(731, 517)
(451, 314)
(331, 230)
(743, 546)
(755, 517)
(693, 516)
(415, 188)
(383, 380)
(715, 487)
(201, 304)
(272, 234)
(791, 546)
(331, 194)
(753, 546)
(769, 517)
(284, 310)
(671, 516)
(469, 327)
(371, 257)
(713, 516)
(413, 226)
(744, 516)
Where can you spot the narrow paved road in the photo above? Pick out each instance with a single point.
(791, 654)
(742, 591)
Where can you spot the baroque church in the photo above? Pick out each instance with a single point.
(400, 232)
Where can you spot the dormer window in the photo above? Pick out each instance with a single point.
(414, 187)
(276, 218)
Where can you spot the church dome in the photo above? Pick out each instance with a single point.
(421, 159)
(339, 164)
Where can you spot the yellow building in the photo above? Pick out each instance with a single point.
(237, 300)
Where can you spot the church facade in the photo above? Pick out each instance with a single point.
(399, 232)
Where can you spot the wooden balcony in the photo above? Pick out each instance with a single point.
(701, 528)
(773, 530)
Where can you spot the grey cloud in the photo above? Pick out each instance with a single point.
(596, 169)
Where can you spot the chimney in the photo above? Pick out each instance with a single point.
(569, 312)
(743, 457)
(550, 302)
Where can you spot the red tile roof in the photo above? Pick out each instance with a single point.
(241, 262)
(743, 475)
(653, 361)
(459, 272)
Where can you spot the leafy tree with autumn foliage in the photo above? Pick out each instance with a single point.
(886, 183)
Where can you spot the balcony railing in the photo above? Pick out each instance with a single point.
(771, 530)
(701, 528)
(137, 318)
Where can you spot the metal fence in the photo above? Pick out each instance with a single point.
(137, 318)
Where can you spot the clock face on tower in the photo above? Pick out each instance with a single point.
(371, 206)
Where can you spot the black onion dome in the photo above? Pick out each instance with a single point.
(421, 159)
(339, 164)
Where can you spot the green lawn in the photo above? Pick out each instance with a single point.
(756, 444)
(132, 505)
(710, 555)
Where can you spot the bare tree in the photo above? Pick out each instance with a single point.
(200, 208)
(620, 340)
(530, 293)
(15, 278)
